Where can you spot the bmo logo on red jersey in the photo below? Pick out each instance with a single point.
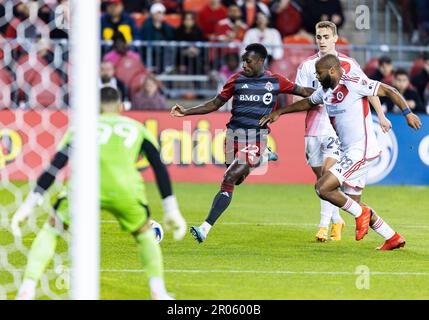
(266, 99)
(249, 97)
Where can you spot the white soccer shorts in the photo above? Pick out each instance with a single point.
(317, 149)
(352, 171)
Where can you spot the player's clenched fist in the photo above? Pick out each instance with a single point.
(270, 118)
(413, 121)
(177, 111)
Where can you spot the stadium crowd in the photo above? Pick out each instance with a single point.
(123, 22)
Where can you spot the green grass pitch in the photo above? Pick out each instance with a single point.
(263, 247)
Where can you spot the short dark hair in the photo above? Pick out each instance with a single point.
(109, 95)
(401, 72)
(384, 59)
(259, 49)
(329, 61)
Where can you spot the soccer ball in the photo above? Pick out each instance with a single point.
(157, 228)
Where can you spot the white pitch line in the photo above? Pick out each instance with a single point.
(282, 224)
(273, 272)
(285, 272)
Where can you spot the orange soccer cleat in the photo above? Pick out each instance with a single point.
(362, 223)
(396, 242)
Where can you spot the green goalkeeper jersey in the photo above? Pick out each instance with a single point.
(120, 139)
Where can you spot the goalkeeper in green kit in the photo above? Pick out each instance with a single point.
(122, 192)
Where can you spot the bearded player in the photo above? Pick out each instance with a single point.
(322, 146)
(254, 92)
(122, 192)
(346, 101)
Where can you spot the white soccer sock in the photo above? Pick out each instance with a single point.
(336, 217)
(27, 291)
(352, 207)
(205, 228)
(325, 213)
(157, 286)
(383, 229)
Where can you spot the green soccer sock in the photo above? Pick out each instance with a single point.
(150, 254)
(41, 252)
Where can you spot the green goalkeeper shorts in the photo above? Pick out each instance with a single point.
(131, 213)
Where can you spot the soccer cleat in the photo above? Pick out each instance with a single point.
(362, 223)
(197, 234)
(336, 230)
(322, 234)
(272, 156)
(396, 242)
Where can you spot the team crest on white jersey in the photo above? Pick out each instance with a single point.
(269, 86)
(340, 96)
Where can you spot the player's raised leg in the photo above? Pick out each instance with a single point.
(327, 188)
(43, 249)
(393, 240)
(151, 258)
(235, 174)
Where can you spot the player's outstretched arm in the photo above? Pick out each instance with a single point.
(207, 107)
(385, 123)
(299, 106)
(412, 119)
(303, 91)
(44, 182)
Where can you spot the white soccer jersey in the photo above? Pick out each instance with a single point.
(317, 121)
(348, 109)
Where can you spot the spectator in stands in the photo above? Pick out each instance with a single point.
(108, 79)
(189, 58)
(150, 96)
(261, 33)
(120, 49)
(421, 80)
(420, 19)
(321, 10)
(250, 9)
(402, 83)
(26, 23)
(155, 28)
(232, 28)
(116, 19)
(384, 72)
(231, 66)
(227, 70)
(286, 16)
(208, 17)
(171, 6)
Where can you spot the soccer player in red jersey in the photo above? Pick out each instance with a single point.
(254, 92)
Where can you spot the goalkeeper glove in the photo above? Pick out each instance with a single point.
(173, 219)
